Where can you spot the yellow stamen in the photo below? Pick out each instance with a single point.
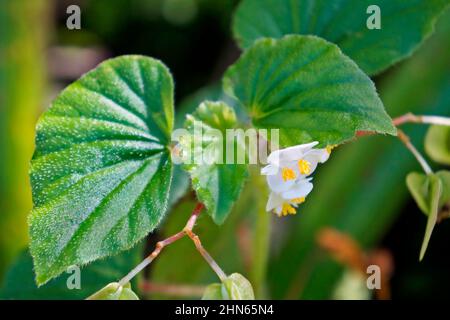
(304, 166)
(298, 200)
(287, 209)
(329, 148)
(287, 174)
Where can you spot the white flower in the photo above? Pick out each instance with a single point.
(287, 173)
(286, 202)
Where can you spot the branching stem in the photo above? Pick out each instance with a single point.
(159, 246)
(198, 244)
(187, 231)
(412, 118)
(406, 141)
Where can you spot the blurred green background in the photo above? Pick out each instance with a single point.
(361, 191)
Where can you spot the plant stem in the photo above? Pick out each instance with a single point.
(187, 230)
(193, 219)
(406, 141)
(261, 239)
(411, 118)
(159, 246)
(198, 244)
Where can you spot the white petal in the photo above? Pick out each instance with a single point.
(300, 190)
(281, 156)
(278, 210)
(317, 155)
(274, 157)
(269, 170)
(277, 184)
(275, 200)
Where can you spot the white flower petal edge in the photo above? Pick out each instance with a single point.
(287, 176)
(299, 190)
(286, 202)
(289, 154)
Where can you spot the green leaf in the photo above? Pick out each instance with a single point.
(101, 171)
(234, 287)
(181, 181)
(114, 291)
(435, 194)
(128, 293)
(212, 92)
(110, 292)
(419, 186)
(404, 26)
(216, 183)
(238, 287)
(437, 144)
(444, 176)
(371, 170)
(427, 190)
(19, 282)
(213, 292)
(307, 88)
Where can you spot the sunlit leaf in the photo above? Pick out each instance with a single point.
(101, 171)
(114, 291)
(213, 292)
(212, 92)
(307, 88)
(234, 287)
(238, 288)
(128, 293)
(216, 183)
(181, 182)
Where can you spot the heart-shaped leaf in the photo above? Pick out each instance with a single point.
(114, 291)
(217, 183)
(237, 287)
(404, 25)
(419, 185)
(234, 287)
(213, 292)
(101, 171)
(181, 183)
(437, 144)
(307, 88)
(431, 192)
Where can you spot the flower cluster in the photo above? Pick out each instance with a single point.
(288, 176)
